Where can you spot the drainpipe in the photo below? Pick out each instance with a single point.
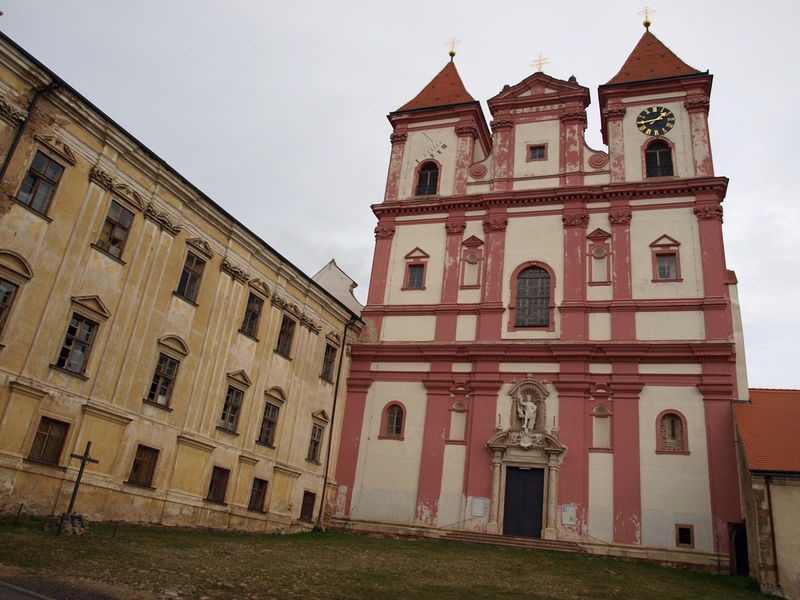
(320, 525)
(36, 94)
(772, 532)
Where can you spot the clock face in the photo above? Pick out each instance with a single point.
(655, 120)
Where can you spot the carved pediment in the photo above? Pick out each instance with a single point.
(202, 246)
(261, 286)
(599, 235)
(164, 220)
(15, 265)
(503, 440)
(11, 113)
(174, 343)
(665, 241)
(57, 146)
(92, 305)
(473, 241)
(235, 271)
(417, 253)
(128, 193)
(334, 337)
(239, 377)
(320, 415)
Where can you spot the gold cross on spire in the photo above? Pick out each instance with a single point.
(540, 62)
(453, 43)
(646, 12)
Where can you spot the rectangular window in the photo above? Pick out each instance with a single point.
(144, 465)
(7, 292)
(218, 484)
(49, 440)
(684, 536)
(416, 276)
(115, 229)
(285, 337)
(315, 444)
(77, 344)
(163, 380)
(258, 494)
(307, 508)
(230, 412)
(328, 362)
(252, 315)
(190, 277)
(269, 425)
(40, 183)
(667, 266)
(537, 152)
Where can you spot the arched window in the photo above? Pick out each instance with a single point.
(671, 433)
(658, 159)
(532, 298)
(427, 180)
(393, 421)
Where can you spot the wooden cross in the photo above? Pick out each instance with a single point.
(84, 458)
(540, 62)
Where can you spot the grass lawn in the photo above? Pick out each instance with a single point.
(154, 563)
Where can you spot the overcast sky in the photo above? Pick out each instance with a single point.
(277, 110)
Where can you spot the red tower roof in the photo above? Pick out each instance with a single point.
(651, 59)
(768, 427)
(444, 89)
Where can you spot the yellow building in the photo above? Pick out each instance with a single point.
(137, 315)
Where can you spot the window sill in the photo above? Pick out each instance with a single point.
(314, 462)
(31, 210)
(470, 287)
(456, 442)
(666, 280)
(399, 438)
(602, 450)
(408, 289)
(326, 379)
(217, 502)
(45, 463)
(144, 486)
(599, 283)
(157, 405)
(228, 431)
(248, 335)
(68, 372)
(282, 355)
(260, 511)
(266, 445)
(684, 452)
(107, 253)
(185, 299)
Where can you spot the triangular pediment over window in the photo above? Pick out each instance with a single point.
(473, 241)
(92, 305)
(599, 235)
(202, 246)
(665, 241)
(57, 146)
(239, 377)
(417, 253)
(321, 415)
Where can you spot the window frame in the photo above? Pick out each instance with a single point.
(231, 410)
(162, 376)
(529, 151)
(38, 177)
(218, 484)
(273, 429)
(384, 433)
(647, 150)
(329, 362)
(115, 225)
(283, 345)
(252, 317)
(315, 444)
(417, 258)
(47, 437)
(307, 516)
(684, 447)
(95, 325)
(192, 275)
(665, 246)
(7, 302)
(678, 527)
(258, 495)
(419, 191)
(512, 317)
(147, 453)
(15, 270)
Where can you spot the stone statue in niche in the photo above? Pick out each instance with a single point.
(526, 410)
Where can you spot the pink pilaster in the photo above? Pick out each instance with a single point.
(623, 316)
(352, 425)
(446, 319)
(464, 153)
(701, 145)
(616, 142)
(574, 318)
(503, 154)
(395, 165)
(481, 422)
(627, 479)
(573, 479)
(719, 324)
(573, 124)
(491, 312)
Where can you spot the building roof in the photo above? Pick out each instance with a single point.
(651, 59)
(768, 427)
(443, 90)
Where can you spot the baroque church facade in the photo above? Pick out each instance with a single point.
(552, 338)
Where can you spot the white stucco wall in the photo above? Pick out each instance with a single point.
(674, 325)
(451, 498)
(785, 501)
(408, 329)
(386, 484)
(466, 326)
(431, 239)
(601, 496)
(536, 133)
(423, 140)
(675, 487)
(599, 326)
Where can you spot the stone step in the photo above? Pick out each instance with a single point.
(471, 537)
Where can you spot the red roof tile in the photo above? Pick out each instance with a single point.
(651, 59)
(444, 89)
(769, 429)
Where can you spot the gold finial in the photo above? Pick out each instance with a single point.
(646, 12)
(453, 43)
(540, 62)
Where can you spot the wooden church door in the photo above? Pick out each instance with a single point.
(522, 514)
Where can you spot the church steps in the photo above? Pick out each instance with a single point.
(471, 537)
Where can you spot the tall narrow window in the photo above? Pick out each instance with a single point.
(191, 275)
(8, 291)
(328, 362)
(315, 444)
(269, 425)
(658, 159)
(218, 484)
(252, 315)
(428, 180)
(144, 465)
(49, 440)
(40, 183)
(307, 508)
(258, 494)
(115, 229)
(532, 298)
(671, 433)
(163, 380)
(416, 276)
(393, 427)
(74, 353)
(285, 337)
(230, 410)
